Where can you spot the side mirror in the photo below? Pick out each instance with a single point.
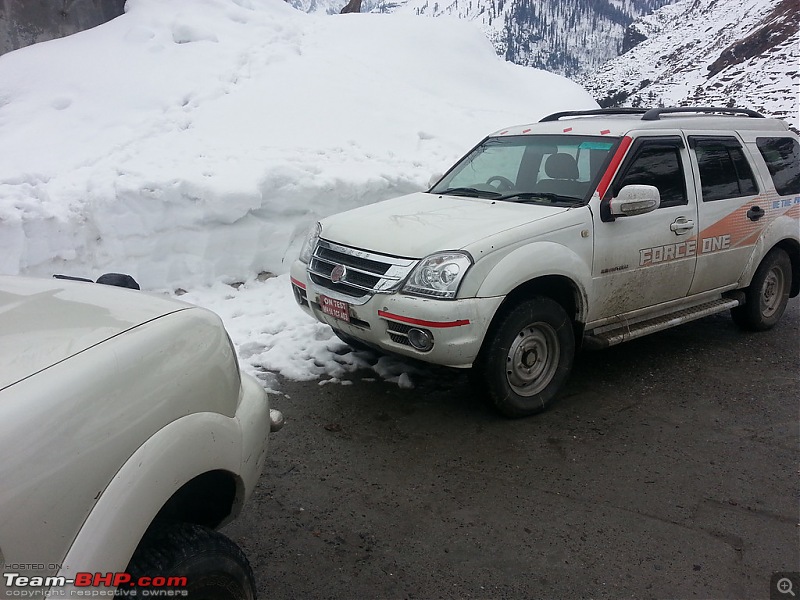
(434, 179)
(635, 200)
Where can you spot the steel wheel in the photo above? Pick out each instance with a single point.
(527, 356)
(767, 294)
(532, 359)
(772, 292)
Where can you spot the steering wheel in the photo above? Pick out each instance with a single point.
(504, 184)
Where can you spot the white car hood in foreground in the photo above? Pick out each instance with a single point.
(44, 321)
(416, 225)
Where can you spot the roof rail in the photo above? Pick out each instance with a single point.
(654, 114)
(594, 111)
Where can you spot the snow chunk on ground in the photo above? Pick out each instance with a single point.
(273, 335)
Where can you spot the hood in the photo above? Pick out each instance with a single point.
(45, 321)
(416, 225)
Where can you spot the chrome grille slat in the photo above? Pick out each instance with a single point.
(327, 277)
(366, 273)
(352, 268)
(356, 262)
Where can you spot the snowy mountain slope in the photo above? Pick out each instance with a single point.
(562, 36)
(188, 146)
(743, 53)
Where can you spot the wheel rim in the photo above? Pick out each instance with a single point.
(772, 292)
(532, 359)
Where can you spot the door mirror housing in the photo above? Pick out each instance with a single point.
(635, 200)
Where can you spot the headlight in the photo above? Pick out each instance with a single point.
(310, 243)
(438, 275)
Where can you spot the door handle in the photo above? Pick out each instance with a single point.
(681, 225)
(755, 213)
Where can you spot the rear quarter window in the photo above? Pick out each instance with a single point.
(782, 155)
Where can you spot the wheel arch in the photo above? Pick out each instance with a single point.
(209, 499)
(792, 248)
(191, 454)
(560, 288)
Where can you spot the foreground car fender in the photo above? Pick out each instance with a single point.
(182, 450)
(110, 402)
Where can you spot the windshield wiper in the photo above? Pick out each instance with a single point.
(525, 196)
(468, 191)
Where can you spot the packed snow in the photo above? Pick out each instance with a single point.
(190, 143)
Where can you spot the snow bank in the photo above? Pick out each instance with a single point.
(193, 141)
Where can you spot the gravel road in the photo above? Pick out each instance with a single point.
(669, 469)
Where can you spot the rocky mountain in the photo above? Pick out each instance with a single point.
(568, 37)
(23, 22)
(743, 53)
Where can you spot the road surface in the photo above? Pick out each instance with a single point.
(669, 469)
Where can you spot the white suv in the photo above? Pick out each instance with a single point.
(588, 228)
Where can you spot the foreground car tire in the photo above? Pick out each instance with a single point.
(528, 358)
(767, 295)
(215, 568)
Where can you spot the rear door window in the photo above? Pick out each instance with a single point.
(782, 155)
(724, 170)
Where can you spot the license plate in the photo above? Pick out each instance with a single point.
(335, 308)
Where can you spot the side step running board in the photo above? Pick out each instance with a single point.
(630, 332)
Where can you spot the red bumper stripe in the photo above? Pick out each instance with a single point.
(299, 284)
(421, 322)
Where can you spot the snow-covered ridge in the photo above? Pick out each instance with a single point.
(192, 141)
(561, 36)
(742, 53)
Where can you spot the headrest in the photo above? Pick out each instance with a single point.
(561, 166)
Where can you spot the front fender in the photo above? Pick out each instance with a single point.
(179, 452)
(538, 259)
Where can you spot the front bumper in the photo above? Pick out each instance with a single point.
(456, 326)
(256, 420)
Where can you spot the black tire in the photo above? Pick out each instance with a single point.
(215, 568)
(767, 294)
(527, 358)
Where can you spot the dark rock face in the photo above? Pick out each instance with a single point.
(354, 6)
(632, 37)
(25, 22)
(779, 26)
(569, 37)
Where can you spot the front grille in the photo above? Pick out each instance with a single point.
(337, 257)
(366, 273)
(342, 288)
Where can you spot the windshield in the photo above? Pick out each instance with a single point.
(550, 169)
